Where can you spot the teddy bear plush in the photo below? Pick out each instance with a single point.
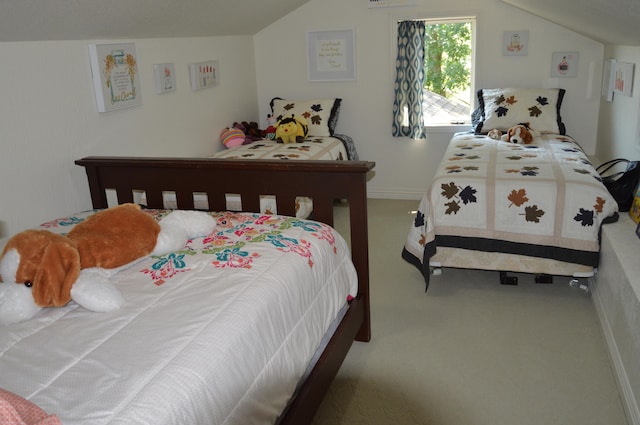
(39, 268)
(293, 129)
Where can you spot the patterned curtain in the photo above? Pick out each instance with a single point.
(407, 106)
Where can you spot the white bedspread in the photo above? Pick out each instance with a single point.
(218, 333)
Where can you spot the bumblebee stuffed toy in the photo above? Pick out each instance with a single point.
(291, 129)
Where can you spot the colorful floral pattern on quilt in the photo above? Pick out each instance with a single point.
(544, 199)
(237, 242)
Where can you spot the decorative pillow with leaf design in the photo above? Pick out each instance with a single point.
(504, 108)
(321, 114)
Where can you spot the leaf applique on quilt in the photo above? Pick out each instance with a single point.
(450, 190)
(468, 195)
(518, 197)
(419, 221)
(452, 208)
(533, 213)
(584, 217)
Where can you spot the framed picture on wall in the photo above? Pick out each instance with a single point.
(515, 43)
(564, 64)
(116, 80)
(331, 55)
(623, 78)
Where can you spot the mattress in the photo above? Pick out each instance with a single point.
(217, 333)
(542, 204)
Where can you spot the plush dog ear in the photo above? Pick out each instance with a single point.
(58, 269)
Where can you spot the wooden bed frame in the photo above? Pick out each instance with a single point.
(323, 181)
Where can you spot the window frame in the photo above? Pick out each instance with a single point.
(466, 17)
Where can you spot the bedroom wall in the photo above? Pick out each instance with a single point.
(619, 132)
(48, 117)
(404, 167)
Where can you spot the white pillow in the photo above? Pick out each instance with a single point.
(503, 108)
(321, 114)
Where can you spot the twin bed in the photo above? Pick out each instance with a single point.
(494, 205)
(247, 325)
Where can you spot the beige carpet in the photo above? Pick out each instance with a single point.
(470, 351)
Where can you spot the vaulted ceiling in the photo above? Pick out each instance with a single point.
(607, 21)
(33, 20)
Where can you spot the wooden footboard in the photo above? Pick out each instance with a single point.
(322, 181)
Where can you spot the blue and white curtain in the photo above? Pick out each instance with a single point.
(407, 107)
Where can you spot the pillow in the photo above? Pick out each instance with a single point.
(321, 114)
(503, 108)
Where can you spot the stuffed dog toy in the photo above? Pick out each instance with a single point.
(520, 134)
(40, 268)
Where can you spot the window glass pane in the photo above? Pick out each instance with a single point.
(448, 72)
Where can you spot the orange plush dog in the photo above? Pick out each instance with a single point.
(51, 269)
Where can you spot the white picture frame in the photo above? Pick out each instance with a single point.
(515, 43)
(164, 78)
(204, 75)
(623, 78)
(564, 64)
(608, 79)
(331, 55)
(116, 80)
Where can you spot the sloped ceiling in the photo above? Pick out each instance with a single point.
(36, 20)
(613, 22)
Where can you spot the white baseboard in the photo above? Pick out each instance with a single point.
(631, 407)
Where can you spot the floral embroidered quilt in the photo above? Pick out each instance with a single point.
(543, 199)
(219, 331)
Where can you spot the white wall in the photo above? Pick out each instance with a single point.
(404, 166)
(48, 117)
(619, 132)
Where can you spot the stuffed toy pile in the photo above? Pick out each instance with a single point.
(39, 268)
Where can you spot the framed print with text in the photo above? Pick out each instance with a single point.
(331, 55)
(116, 80)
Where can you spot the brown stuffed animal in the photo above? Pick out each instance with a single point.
(50, 263)
(44, 269)
(519, 134)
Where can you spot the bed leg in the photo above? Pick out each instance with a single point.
(505, 279)
(580, 283)
(544, 278)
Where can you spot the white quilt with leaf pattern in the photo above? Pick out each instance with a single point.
(544, 200)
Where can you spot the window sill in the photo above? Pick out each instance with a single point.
(447, 128)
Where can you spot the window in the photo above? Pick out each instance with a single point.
(448, 85)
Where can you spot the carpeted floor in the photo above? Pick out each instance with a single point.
(470, 351)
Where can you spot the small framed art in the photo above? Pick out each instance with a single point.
(164, 77)
(204, 75)
(623, 78)
(515, 43)
(116, 80)
(564, 64)
(331, 55)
